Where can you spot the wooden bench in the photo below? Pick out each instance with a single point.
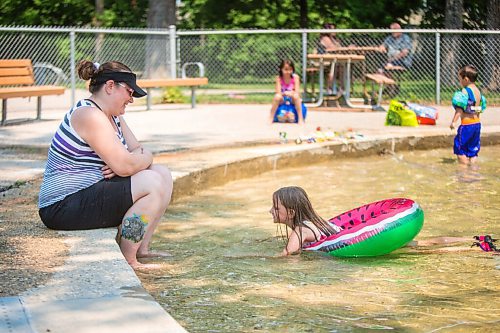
(17, 76)
(381, 80)
(160, 83)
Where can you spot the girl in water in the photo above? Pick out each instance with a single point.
(292, 207)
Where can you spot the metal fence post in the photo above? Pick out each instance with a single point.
(173, 62)
(438, 68)
(72, 66)
(304, 62)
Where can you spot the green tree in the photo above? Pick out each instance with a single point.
(267, 14)
(117, 13)
(46, 12)
(474, 14)
(215, 14)
(125, 13)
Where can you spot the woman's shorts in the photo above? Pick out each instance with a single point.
(101, 205)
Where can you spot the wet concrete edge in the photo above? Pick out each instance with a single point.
(220, 174)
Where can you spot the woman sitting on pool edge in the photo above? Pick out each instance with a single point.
(98, 175)
(287, 106)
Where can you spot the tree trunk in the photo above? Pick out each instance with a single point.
(492, 62)
(99, 39)
(303, 14)
(161, 14)
(450, 61)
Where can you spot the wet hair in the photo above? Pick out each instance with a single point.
(286, 62)
(297, 203)
(87, 70)
(468, 71)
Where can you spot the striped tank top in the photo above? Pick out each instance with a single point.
(72, 165)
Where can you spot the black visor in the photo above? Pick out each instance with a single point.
(126, 77)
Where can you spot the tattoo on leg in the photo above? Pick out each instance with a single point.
(134, 228)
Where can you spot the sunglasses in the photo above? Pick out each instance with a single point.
(130, 90)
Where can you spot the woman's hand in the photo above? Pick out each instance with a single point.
(107, 172)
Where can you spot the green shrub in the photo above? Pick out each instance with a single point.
(172, 95)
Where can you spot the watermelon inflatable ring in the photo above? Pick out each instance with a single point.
(372, 230)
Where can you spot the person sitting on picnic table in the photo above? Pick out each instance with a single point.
(398, 48)
(328, 42)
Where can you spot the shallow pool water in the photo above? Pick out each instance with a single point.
(223, 276)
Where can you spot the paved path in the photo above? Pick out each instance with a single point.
(170, 128)
(95, 290)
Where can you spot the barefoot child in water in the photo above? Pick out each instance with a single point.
(291, 207)
(468, 104)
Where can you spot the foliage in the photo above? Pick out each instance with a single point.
(248, 14)
(262, 52)
(234, 98)
(475, 12)
(360, 14)
(118, 13)
(46, 12)
(215, 14)
(173, 95)
(124, 13)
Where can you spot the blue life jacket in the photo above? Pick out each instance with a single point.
(467, 102)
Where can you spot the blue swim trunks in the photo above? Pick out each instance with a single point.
(467, 141)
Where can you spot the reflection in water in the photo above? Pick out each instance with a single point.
(223, 277)
(468, 173)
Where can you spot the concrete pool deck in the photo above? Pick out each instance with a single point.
(95, 290)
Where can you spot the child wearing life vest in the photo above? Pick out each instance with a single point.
(287, 90)
(468, 104)
(291, 207)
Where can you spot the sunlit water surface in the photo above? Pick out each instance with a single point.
(223, 277)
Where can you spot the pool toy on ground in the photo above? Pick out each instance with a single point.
(374, 229)
(486, 243)
(321, 135)
(403, 113)
(426, 115)
(286, 112)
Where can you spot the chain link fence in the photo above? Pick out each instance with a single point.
(247, 60)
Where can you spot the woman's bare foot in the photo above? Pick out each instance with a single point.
(153, 254)
(140, 266)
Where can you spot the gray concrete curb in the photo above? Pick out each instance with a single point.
(95, 291)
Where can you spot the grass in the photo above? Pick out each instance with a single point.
(418, 91)
(238, 98)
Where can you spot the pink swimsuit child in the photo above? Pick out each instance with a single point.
(287, 87)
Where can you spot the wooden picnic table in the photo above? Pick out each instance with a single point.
(354, 49)
(332, 59)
